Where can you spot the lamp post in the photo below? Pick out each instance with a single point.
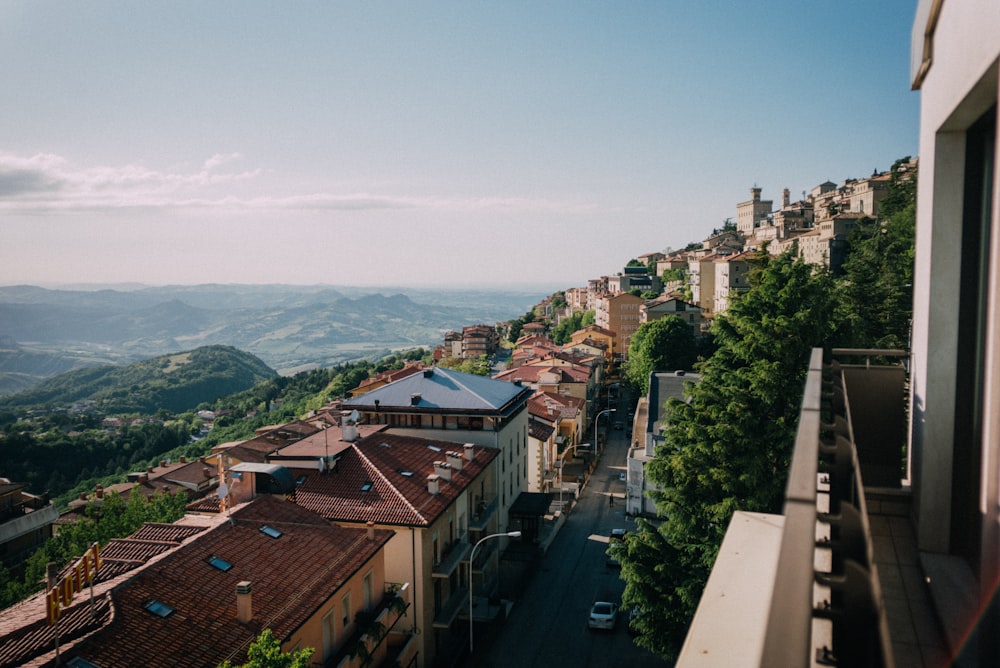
(609, 410)
(472, 557)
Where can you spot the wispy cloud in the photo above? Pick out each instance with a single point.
(47, 184)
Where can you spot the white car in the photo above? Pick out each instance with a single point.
(603, 615)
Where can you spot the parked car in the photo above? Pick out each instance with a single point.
(603, 615)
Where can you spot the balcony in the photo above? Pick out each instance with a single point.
(836, 579)
(483, 513)
(377, 641)
(455, 554)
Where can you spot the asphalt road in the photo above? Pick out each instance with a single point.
(548, 624)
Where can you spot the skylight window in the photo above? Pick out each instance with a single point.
(219, 563)
(408, 474)
(270, 531)
(434, 448)
(159, 609)
(367, 486)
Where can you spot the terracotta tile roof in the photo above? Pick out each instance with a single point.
(254, 450)
(597, 329)
(532, 373)
(24, 633)
(394, 498)
(539, 430)
(204, 630)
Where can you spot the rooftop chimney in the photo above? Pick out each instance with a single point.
(244, 604)
(183, 459)
(414, 398)
(433, 484)
(99, 492)
(349, 432)
(371, 529)
(443, 470)
(454, 459)
(470, 452)
(428, 372)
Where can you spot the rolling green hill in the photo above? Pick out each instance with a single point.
(175, 382)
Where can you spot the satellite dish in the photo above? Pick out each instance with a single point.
(223, 491)
(353, 417)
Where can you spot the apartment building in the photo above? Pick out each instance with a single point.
(660, 308)
(619, 314)
(437, 498)
(731, 277)
(450, 405)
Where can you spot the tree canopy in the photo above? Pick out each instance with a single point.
(878, 271)
(265, 652)
(666, 344)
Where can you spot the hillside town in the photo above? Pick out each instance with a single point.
(426, 461)
(403, 524)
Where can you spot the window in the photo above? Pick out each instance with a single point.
(158, 608)
(345, 609)
(219, 562)
(369, 590)
(270, 531)
(972, 312)
(329, 634)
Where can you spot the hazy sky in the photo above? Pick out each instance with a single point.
(424, 143)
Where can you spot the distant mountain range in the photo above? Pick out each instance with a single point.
(44, 332)
(175, 382)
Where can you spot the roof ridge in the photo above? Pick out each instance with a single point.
(388, 482)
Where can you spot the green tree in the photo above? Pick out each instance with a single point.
(728, 447)
(265, 652)
(666, 344)
(878, 272)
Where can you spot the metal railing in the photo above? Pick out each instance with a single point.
(826, 606)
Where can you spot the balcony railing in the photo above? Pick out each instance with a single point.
(456, 553)
(826, 604)
(483, 513)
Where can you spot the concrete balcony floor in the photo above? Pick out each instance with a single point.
(916, 632)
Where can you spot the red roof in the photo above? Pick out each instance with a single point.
(291, 577)
(396, 467)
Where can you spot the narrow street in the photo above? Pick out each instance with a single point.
(548, 623)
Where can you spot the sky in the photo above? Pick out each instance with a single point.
(413, 143)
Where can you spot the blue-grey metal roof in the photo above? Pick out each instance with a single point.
(442, 389)
(663, 386)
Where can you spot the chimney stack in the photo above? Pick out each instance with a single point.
(454, 460)
(414, 398)
(470, 452)
(244, 603)
(443, 470)
(99, 492)
(371, 529)
(433, 484)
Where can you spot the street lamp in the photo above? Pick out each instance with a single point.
(510, 534)
(609, 410)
